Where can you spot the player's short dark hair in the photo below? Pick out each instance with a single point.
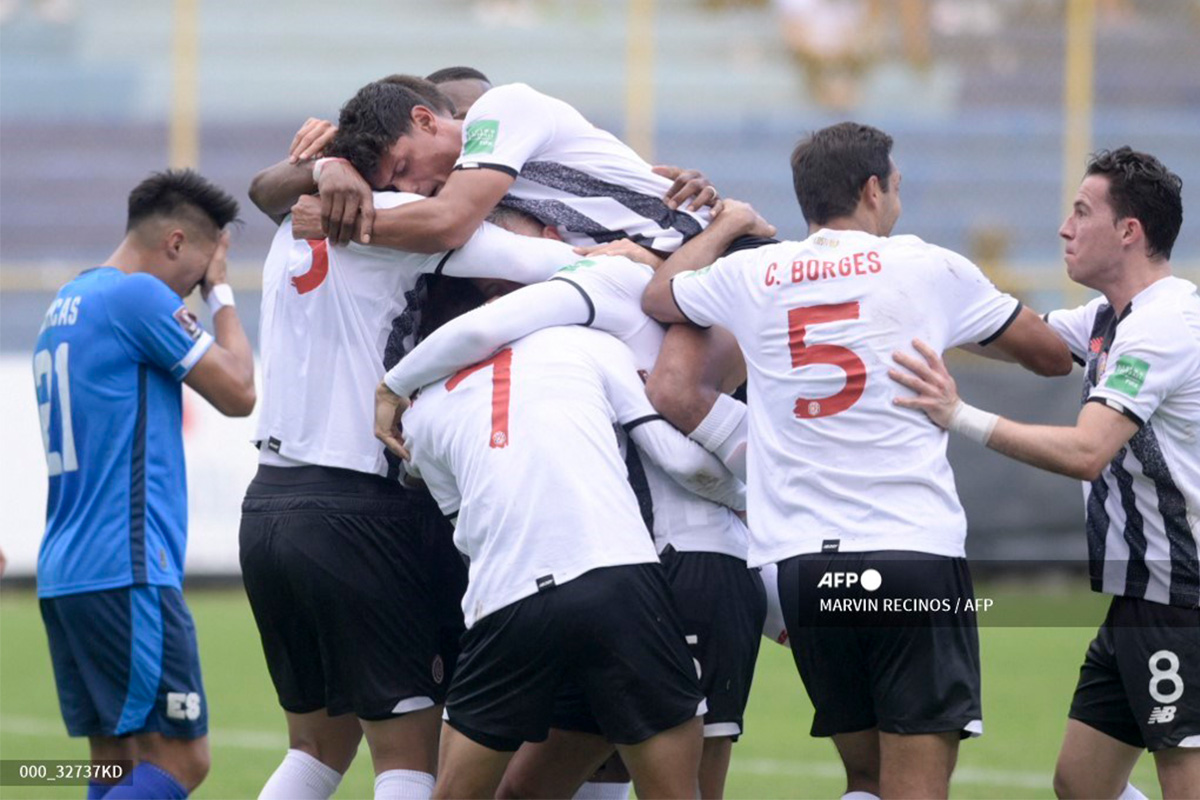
(371, 122)
(180, 192)
(457, 74)
(829, 168)
(426, 89)
(1139, 186)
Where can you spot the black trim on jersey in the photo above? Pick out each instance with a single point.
(681, 311)
(1000, 331)
(441, 264)
(1096, 527)
(558, 213)
(1115, 406)
(1137, 573)
(748, 242)
(453, 515)
(629, 426)
(586, 298)
(137, 486)
(579, 183)
(1185, 561)
(507, 170)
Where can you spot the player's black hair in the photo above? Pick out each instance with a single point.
(180, 192)
(371, 122)
(457, 74)
(829, 168)
(1139, 186)
(426, 89)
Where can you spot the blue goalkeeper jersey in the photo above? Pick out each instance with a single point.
(107, 367)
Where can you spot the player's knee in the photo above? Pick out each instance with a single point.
(333, 753)
(1065, 783)
(190, 764)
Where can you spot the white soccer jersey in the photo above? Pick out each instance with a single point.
(1143, 512)
(832, 463)
(521, 449)
(604, 293)
(326, 315)
(571, 174)
(613, 288)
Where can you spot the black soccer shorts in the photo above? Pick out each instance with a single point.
(356, 587)
(612, 632)
(1140, 679)
(901, 657)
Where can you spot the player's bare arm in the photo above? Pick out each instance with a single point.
(626, 248)
(1030, 342)
(276, 189)
(1079, 451)
(731, 219)
(224, 376)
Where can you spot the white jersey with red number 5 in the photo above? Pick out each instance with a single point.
(833, 464)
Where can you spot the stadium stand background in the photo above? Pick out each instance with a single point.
(972, 91)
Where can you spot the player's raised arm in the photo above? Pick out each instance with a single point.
(730, 220)
(1079, 451)
(224, 376)
(1030, 342)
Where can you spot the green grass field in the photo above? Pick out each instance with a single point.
(1029, 674)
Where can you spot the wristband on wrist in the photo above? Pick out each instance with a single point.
(321, 162)
(219, 296)
(973, 423)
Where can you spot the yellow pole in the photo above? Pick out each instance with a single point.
(639, 78)
(1078, 95)
(184, 135)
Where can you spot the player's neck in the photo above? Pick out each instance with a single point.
(129, 258)
(858, 221)
(1134, 279)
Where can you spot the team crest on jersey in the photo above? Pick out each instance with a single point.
(187, 320)
(481, 137)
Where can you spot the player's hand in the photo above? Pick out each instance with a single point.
(622, 247)
(3, 563)
(345, 196)
(306, 218)
(689, 184)
(389, 407)
(742, 217)
(218, 267)
(309, 142)
(937, 394)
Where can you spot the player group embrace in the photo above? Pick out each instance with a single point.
(549, 438)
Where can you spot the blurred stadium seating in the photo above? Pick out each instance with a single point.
(86, 95)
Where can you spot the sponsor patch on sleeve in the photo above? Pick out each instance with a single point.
(481, 137)
(187, 320)
(1128, 375)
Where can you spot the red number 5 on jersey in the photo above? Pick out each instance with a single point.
(501, 365)
(842, 357)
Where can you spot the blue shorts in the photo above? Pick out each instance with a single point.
(125, 661)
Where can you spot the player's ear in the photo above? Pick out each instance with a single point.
(1131, 231)
(551, 232)
(175, 241)
(424, 119)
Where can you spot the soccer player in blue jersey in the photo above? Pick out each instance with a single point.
(114, 346)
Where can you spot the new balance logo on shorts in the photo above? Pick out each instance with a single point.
(1161, 714)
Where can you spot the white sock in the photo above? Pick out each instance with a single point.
(301, 777)
(723, 433)
(603, 791)
(860, 796)
(1131, 793)
(403, 784)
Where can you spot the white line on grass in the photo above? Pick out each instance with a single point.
(266, 740)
